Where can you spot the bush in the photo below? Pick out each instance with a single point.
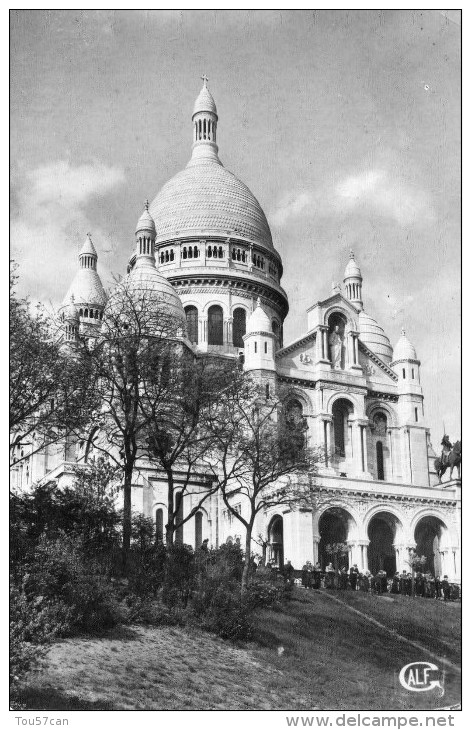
(227, 615)
(180, 575)
(34, 623)
(265, 594)
(147, 569)
(59, 572)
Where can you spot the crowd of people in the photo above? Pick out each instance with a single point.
(406, 583)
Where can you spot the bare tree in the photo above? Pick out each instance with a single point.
(140, 339)
(260, 449)
(51, 395)
(178, 437)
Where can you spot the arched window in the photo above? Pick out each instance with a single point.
(192, 324)
(215, 326)
(184, 252)
(380, 460)
(220, 252)
(340, 412)
(198, 529)
(159, 525)
(238, 327)
(210, 252)
(86, 313)
(195, 252)
(179, 517)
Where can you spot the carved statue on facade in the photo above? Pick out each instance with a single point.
(335, 344)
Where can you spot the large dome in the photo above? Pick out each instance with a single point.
(374, 337)
(205, 198)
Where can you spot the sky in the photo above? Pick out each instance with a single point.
(344, 124)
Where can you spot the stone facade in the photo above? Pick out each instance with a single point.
(362, 399)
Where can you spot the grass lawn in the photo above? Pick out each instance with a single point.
(331, 659)
(347, 663)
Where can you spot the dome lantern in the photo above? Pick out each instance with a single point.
(88, 256)
(353, 281)
(205, 119)
(145, 237)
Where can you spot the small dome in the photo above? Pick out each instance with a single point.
(146, 222)
(144, 278)
(88, 249)
(86, 288)
(352, 268)
(258, 320)
(374, 337)
(404, 349)
(70, 312)
(205, 102)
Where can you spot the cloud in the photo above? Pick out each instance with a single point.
(386, 195)
(291, 206)
(50, 219)
(373, 193)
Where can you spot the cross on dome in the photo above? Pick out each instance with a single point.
(146, 204)
(403, 331)
(205, 80)
(352, 255)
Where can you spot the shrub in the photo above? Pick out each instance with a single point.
(59, 572)
(227, 615)
(180, 574)
(147, 569)
(265, 594)
(34, 623)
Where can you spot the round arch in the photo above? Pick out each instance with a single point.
(402, 529)
(357, 404)
(275, 537)
(381, 407)
(297, 394)
(336, 309)
(354, 517)
(430, 512)
(433, 540)
(239, 305)
(214, 303)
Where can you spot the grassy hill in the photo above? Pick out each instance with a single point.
(314, 654)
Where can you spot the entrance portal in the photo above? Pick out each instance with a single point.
(381, 552)
(429, 537)
(333, 531)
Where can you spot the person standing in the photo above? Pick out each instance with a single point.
(316, 576)
(329, 576)
(343, 579)
(353, 577)
(438, 587)
(396, 588)
(305, 575)
(445, 586)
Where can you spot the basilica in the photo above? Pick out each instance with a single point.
(204, 244)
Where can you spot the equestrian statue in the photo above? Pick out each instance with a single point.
(450, 457)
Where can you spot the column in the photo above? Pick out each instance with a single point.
(326, 344)
(363, 554)
(350, 440)
(327, 439)
(202, 327)
(228, 330)
(391, 455)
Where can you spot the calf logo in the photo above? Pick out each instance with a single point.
(420, 677)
